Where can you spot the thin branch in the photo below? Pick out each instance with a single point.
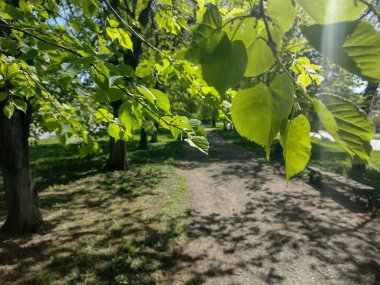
(372, 8)
(41, 39)
(130, 28)
(270, 42)
(272, 45)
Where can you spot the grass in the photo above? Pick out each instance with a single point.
(325, 154)
(101, 227)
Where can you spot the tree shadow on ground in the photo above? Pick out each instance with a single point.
(269, 234)
(100, 227)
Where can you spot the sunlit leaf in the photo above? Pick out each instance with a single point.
(355, 130)
(353, 45)
(333, 11)
(258, 112)
(276, 10)
(295, 141)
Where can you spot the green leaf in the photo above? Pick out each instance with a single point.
(113, 33)
(89, 7)
(199, 143)
(115, 131)
(353, 45)
(125, 115)
(162, 100)
(125, 40)
(20, 104)
(355, 130)
(28, 53)
(225, 67)
(8, 110)
(276, 10)
(253, 34)
(333, 11)
(147, 93)
(258, 112)
(304, 80)
(175, 124)
(328, 122)
(206, 35)
(114, 94)
(103, 115)
(144, 69)
(3, 96)
(295, 141)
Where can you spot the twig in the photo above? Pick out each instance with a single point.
(130, 28)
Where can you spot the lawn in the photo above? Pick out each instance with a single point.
(101, 227)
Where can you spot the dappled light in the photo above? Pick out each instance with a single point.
(190, 142)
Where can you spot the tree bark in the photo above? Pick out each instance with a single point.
(143, 143)
(22, 202)
(117, 159)
(154, 137)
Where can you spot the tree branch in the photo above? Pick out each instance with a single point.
(130, 28)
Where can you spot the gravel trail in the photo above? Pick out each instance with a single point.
(247, 227)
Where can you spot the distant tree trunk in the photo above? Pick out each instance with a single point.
(213, 123)
(22, 202)
(143, 143)
(154, 137)
(117, 159)
(369, 94)
(118, 150)
(224, 125)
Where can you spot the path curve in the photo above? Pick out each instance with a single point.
(248, 228)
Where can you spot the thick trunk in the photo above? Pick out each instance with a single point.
(22, 203)
(143, 143)
(117, 159)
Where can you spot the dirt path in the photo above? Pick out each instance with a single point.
(248, 228)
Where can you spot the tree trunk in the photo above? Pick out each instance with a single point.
(224, 125)
(369, 94)
(117, 159)
(154, 137)
(22, 203)
(143, 143)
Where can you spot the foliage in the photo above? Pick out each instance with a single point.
(273, 57)
(87, 51)
(77, 48)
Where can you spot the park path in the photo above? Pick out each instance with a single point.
(247, 228)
